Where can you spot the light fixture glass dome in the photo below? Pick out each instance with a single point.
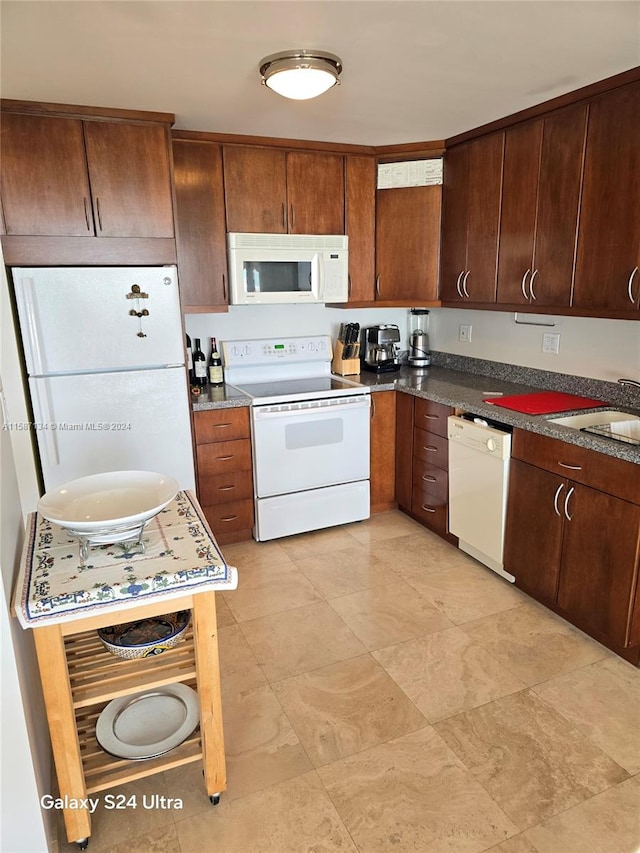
(300, 74)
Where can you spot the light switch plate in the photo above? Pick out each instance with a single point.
(551, 342)
(464, 334)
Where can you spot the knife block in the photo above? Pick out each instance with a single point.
(345, 366)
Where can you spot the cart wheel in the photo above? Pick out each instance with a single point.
(83, 843)
(214, 799)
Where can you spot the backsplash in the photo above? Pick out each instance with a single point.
(270, 321)
(609, 392)
(589, 347)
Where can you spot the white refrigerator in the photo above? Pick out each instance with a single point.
(104, 355)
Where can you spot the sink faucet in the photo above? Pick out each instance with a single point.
(632, 382)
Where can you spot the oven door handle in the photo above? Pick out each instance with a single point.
(363, 403)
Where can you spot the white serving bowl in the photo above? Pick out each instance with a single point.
(102, 502)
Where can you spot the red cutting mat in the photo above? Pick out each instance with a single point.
(544, 402)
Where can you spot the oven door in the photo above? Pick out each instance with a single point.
(310, 444)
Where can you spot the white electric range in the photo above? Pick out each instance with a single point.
(310, 434)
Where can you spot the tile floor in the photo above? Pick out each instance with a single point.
(382, 691)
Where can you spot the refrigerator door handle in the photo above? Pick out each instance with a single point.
(27, 305)
(45, 426)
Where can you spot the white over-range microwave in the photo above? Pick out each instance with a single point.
(272, 269)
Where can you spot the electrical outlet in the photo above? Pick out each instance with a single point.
(464, 334)
(551, 342)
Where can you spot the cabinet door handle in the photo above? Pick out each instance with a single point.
(428, 478)
(99, 213)
(373, 407)
(87, 218)
(349, 285)
(225, 488)
(377, 285)
(464, 283)
(566, 503)
(224, 287)
(432, 417)
(221, 426)
(229, 518)
(292, 216)
(224, 458)
(430, 448)
(524, 286)
(427, 508)
(458, 285)
(630, 286)
(555, 499)
(284, 217)
(533, 278)
(570, 467)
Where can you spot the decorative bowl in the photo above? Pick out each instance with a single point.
(145, 637)
(114, 501)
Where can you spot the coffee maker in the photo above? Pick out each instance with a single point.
(379, 348)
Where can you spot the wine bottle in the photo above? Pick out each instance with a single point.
(190, 361)
(199, 365)
(216, 373)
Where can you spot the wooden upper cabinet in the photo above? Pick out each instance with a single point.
(471, 220)
(454, 222)
(360, 221)
(200, 233)
(71, 178)
(607, 275)
(315, 193)
(407, 243)
(277, 192)
(540, 199)
(45, 185)
(130, 176)
(255, 181)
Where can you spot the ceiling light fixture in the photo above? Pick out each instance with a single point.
(300, 74)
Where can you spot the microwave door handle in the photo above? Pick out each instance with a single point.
(321, 282)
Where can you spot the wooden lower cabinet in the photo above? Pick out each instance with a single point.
(382, 453)
(225, 480)
(422, 462)
(573, 545)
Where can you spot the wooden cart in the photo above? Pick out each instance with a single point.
(80, 677)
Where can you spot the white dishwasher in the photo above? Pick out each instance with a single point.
(478, 484)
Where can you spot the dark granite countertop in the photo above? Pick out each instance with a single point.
(465, 390)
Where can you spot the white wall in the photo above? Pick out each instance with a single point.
(600, 349)
(26, 750)
(256, 321)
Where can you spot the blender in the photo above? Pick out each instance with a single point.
(419, 354)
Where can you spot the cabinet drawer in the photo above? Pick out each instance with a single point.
(224, 488)
(430, 479)
(221, 425)
(605, 473)
(223, 457)
(432, 513)
(432, 416)
(226, 518)
(430, 448)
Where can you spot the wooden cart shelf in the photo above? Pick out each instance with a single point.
(97, 676)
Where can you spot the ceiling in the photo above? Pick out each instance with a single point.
(413, 71)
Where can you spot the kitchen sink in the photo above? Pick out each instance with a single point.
(620, 426)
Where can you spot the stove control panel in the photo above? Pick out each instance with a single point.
(273, 351)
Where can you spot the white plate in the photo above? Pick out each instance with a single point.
(100, 502)
(148, 724)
